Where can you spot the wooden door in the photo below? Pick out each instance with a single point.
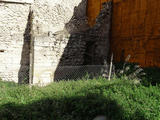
(135, 29)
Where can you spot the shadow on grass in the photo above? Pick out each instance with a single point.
(75, 108)
(152, 76)
(83, 106)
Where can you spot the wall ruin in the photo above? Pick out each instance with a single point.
(61, 35)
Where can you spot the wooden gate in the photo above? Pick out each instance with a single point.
(135, 29)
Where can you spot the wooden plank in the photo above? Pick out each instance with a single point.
(135, 29)
(18, 1)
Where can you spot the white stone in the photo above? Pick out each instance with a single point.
(18, 1)
(49, 15)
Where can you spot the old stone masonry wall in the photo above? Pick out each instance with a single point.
(49, 16)
(45, 35)
(13, 23)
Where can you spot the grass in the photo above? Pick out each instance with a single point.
(119, 99)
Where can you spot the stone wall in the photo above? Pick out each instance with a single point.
(61, 35)
(56, 43)
(98, 41)
(54, 15)
(49, 17)
(18, 1)
(86, 47)
(13, 23)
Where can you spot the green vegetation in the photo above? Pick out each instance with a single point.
(152, 76)
(119, 99)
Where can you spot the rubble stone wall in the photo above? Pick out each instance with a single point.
(48, 17)
(61, 34)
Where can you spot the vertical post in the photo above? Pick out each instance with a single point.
(31, 67)
(110, 68)
(31, 71)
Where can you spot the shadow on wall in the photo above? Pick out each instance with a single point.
(23, 74)
(85, 45)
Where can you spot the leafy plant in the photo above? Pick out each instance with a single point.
(132, 71)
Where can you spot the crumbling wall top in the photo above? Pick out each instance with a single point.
(18, 1)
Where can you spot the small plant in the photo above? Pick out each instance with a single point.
(132, 71)
(87, 76)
